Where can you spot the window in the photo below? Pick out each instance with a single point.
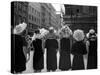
(86, 9)
(20, 19)
(30, 25)
(29, 8)
(77, 10)
(39, 14)
(39, 21)
(14, 20)
(15, 4)
(34, 19)
(24, 19)
(32, 10)
(29, 16)
(19, 6)
(35, 11)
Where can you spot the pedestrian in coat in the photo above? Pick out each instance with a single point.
(78, 50)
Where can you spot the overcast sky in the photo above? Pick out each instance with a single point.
(58, 7)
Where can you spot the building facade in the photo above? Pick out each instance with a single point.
(81, 17)
(41, 15)
(58, 16)
(45, 15)
(54, 20)
(48, 16)
(34, 17)
(19, 12)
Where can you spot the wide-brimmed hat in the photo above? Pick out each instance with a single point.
(91, 31)
(78, 35)
(20, 28)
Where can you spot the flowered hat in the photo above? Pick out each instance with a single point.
(78, 35)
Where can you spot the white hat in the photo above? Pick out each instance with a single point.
(78, 35)
(91, 31)
(43, 32)
(51, 28)
(20, 28)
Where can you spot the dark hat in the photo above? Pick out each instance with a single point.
(37, 31)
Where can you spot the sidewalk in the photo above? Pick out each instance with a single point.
(29, 64)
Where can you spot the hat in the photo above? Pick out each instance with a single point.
(78, 35)
(91, 31)
(66, 31)
(20, 28)
(43, 31)
(51, 28)
(37, 31)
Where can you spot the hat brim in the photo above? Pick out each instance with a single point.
(20, 28)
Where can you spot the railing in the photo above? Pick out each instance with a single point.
(80, 22)
(79, 16)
